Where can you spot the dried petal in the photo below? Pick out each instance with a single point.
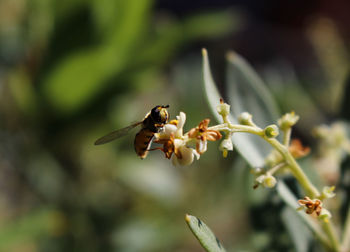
(297, 149)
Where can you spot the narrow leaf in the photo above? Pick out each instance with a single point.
(297, 230)
(245, 144)
(204, 235)
(211, 92)
(247, 92)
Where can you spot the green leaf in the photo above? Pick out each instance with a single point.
(247, 92)
(211, 92)
(204, 235)
(80, 76)
(297, 230)
(247, 145)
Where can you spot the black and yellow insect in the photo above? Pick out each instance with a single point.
(151, 124)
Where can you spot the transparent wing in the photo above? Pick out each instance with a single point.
(116, 134)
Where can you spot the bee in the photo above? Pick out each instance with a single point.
(152, 123)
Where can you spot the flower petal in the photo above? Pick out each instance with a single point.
(213, 135)
(166, 132)
(181, 122)
(185, 158)
(201, 146)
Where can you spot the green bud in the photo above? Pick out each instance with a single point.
(245, 118)
(271, 131)
(267, 180)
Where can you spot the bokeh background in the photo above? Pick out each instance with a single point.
(71, 71)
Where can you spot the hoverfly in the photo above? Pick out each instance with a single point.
(152, 123)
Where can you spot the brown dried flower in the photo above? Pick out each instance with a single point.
(202, 134)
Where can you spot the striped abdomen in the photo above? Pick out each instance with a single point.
(142, 142)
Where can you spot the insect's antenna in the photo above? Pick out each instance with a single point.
(166, 106)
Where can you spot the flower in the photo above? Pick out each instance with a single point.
(267, 180)
(224, 110)
(325, 215)
(174, 126)
(297, 149)
(288, 120)
(174, 142)
(202, 134)
(328, 192)
(311, 206)
(226, 145)
(168, 145)
(183, 154)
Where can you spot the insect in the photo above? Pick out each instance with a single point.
(152, 123)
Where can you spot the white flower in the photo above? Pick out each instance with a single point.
(223, 110)
(174, 144)
(267, 180)
(288, 120)
(183, 154)
(176, 129)
(181, 118)
(226, 145)
(328, 191)
(325, 215)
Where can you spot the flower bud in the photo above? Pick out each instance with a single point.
(267, 180)
(271, 131)
(288, 120)
(223, 109)
(328, 192)
(226, 145)
(245, 118)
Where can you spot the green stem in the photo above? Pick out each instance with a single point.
(286, 136)
(296, 170)
(298, 173)
(346, 233)
(330, 231)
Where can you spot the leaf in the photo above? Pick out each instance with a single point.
(80, 76)
(297, 230)
(211, 92)
(248, 146)
(247, 92)
(204, 235)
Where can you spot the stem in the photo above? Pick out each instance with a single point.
(346, 234)
(296, 170)
(298, 173)
(329, 229)
(276, 168)
(286, 136)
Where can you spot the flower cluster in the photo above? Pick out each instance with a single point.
(176, 144)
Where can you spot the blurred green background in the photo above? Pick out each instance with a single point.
(71, 71)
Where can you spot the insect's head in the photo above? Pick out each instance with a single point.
(160, 114)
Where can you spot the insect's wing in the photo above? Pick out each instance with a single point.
(116, 134)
